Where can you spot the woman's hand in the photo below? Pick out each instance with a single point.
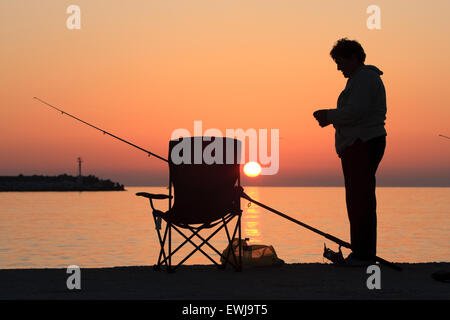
(321, 117)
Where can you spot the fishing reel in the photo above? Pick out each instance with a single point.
(335, 257)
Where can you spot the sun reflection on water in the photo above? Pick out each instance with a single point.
(252, 225)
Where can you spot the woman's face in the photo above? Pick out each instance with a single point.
(347, 65)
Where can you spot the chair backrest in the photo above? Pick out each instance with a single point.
(205, 174)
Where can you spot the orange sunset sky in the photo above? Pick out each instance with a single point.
(141, 69)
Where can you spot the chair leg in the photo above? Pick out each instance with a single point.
(230, 246)
(240, 244)
(163, 245)
(162, 242)
(166, 257)
(205, 241)
(236, 265)
(198, 247)
(188, 239)
(238, 261)
(169, 267)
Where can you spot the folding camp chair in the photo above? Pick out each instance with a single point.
(207, 196)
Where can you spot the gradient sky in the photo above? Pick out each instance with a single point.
(141, 69)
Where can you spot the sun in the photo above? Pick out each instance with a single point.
(252, 169)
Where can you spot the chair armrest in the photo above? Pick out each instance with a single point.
(153, 196)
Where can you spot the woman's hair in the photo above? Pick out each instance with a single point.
(345, 48)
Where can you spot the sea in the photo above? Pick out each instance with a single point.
(116, 228)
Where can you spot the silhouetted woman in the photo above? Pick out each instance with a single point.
(360, 140)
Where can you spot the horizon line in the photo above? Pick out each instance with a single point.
(314, 186)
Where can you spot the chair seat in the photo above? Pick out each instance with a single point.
(182, 216)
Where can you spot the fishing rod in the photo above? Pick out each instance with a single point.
(340, 242)
(104, 132)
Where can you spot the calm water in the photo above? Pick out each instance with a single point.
(99, 229)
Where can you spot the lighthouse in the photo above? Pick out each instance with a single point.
(80, 178)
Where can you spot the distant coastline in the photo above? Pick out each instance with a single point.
(62, 182)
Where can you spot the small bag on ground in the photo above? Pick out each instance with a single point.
(257, 255)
